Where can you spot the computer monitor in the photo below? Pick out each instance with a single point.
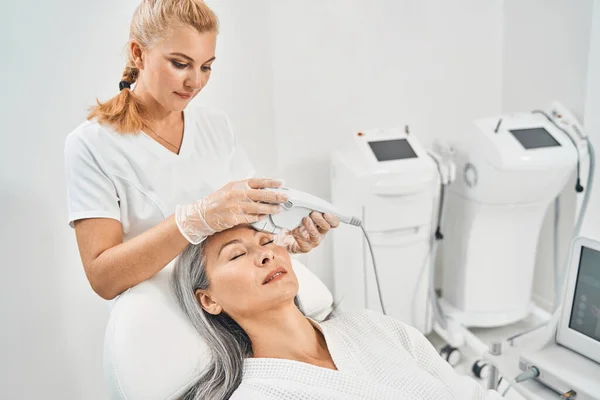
(579, 325)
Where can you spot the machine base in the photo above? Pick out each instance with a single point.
(461, 341)
(483, 319)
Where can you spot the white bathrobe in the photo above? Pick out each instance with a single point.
(377, 357)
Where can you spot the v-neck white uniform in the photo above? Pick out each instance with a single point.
(377, 357)
(137, 181)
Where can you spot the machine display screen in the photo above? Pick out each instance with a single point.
(396, 149)
(534, 138)
(585, 314)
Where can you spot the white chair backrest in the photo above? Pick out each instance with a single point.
(152, 351)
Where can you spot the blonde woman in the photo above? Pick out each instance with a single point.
(239, 291)
(148, 173)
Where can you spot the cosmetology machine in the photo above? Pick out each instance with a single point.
(509, 170)
(392, 184)
(567, 360)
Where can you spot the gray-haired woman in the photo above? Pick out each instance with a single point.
(239, 290)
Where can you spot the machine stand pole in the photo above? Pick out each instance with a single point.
(495, 350)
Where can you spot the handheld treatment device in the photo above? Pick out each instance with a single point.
(300, 205)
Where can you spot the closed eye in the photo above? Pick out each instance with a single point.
(243, 254)
(238, 256)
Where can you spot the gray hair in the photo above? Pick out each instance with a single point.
(228, 342)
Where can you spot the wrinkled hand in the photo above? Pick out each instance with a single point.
(236, 203)
(308, 235)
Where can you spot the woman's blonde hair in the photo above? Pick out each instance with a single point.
(152, 21)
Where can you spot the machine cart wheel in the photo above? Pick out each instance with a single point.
(481, 369)
(451, 354)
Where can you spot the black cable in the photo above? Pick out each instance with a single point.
(435, 304)
(438, 230)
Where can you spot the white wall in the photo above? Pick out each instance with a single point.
(545, 58)
(56, 59)
(592, 122)
(341, 66)
(545, 52)
(241, 83)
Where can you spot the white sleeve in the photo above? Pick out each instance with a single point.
(462, 387)
(90, 191)
(241, 167)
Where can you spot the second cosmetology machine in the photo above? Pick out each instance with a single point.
(509, 170)
(388, 180)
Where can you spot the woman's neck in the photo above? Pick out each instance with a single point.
(156, 112)
(286, 333)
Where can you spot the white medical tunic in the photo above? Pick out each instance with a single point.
(377, 357)
(133, 179)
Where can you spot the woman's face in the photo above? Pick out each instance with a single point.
(174, 70)
(248, 273)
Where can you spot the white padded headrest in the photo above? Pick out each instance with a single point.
(152, 351)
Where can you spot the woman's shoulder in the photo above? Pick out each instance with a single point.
(213, 123)
(364, 315)
(86, 133)
(82, 137)
(252, 392)
(204, 112)
(368, 327)
(367, 320)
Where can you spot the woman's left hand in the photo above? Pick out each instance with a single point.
(308, 235)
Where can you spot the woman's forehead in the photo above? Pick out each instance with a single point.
(241, 232)
(185, 39)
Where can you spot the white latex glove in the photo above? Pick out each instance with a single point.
(308, 235)
(236, 203)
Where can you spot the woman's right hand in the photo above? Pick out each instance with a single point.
(236, 203)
